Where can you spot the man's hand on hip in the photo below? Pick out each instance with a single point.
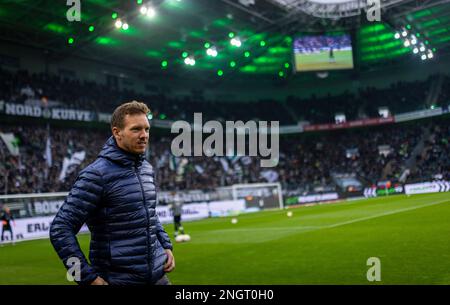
(170, 263)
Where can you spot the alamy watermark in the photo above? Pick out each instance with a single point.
(74, 12)
(373, 10)
(233, 144)
(374, 272)
(74, 271)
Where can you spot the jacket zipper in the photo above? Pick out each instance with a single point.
(150, 271)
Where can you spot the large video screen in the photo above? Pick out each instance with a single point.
(324, 52)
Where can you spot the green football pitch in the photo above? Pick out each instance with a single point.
(323, 244)
(321, 61)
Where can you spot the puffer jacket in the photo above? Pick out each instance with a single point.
(116, 197)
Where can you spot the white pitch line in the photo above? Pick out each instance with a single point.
(314, 228)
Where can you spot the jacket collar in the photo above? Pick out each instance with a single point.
(114, 153)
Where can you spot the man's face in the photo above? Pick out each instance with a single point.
(134, 136)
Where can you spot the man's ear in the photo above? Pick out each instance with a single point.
(116, 132)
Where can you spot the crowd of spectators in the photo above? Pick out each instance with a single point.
(54, 90)
(434, 161)
(306, 161)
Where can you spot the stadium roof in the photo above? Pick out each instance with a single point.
(184, 28)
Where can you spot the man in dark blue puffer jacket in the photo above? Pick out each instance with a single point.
(116, 197)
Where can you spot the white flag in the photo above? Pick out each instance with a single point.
(270, 175)
(12, 143)
(48, 152)
(69, 165)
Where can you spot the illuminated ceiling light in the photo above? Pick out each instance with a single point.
(407, 43)
(125, 26)
(416, 50)
(118, 23)
(211, 51)
(190, 61)
(397, 35)
(424, 57)
(422, 48)
(151, 13)
(236, 42)
(143, 10)
(404, 33)
(430, 54)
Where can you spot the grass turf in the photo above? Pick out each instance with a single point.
(321, 61)
(325, 244)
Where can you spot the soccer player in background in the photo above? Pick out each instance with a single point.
(177, 207)
(116, 197)
(6, 220)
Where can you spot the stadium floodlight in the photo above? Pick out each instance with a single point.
(118, 23)
(143, 10)
(422, 48)
(430, 54)
(190, 61)
(236, 42)
(397, 35)
(151, 13)
(413, 40)
(404, 33)
(148, 11)
(125, 26)
(407, 43)
(424, 57)
(416, 50)
(212, 51)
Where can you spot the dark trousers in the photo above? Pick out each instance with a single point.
(9, 229)
(177, 222)
(163, 281)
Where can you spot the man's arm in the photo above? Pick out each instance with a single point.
(78, 206)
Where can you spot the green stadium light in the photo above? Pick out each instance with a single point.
(231, 34)
(262, 43)
(162, 116)
(220, 73)
(281, 74)
(408, 27)
(164, 64)
(139, 1)
(91, 28)
(207, 45)
(232, 64)
(185, 54)
(247, 54)
(114, 15)
(287, 65)
(71, 40)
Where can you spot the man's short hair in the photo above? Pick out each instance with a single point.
(131, 108)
